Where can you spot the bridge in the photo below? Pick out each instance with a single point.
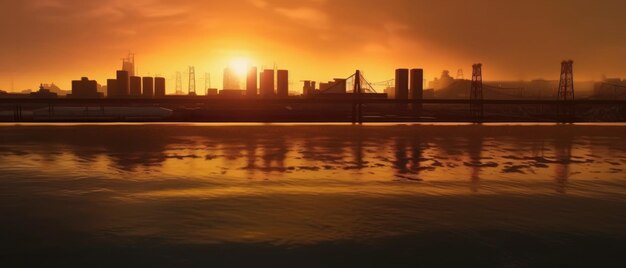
(562, 109)
(359, 106)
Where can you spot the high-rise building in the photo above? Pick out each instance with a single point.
(309, 88)
(282, 81)
(159, 87)
(84, 89)
(112, 90)
(148, 87)
(417, 84)
(123, 83)
(128, 64)
(267, 83)
(338, 86)
(402, 84)
(231, 80)
(135, 86)
(252, 89)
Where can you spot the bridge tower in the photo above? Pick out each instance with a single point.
(191, 91)
(357, 105)
(476, 93)
(566, 85)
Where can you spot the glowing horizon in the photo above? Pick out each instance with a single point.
(56, 41)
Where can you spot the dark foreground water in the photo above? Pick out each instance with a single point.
(312, 196)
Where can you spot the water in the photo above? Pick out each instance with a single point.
(312, 195)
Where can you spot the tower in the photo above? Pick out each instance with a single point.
(123, 83)
(252, 82)
(282, 83)
(179, 84)
(267, 83)
(159, 87)
(148, 87)
(476, 92)
(566, 112)
(191, 91)
(416, 88)
(566, 85)
(128, 64)
(357, 105)
(402, 84)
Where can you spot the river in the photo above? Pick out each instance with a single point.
(318, 195)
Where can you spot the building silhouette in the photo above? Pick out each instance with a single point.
(135, 86)
(148, 87)
(212, 92)
(84, 89)
(232, 93)
(282, 78)
(267, 84)
(112, 90)
(43, 93)
(416, 85)
(442, 82)
(402, 84)
(159, 87)
(309, 88)
(252, 82)
(123, 84)
(231, 80)
(128, 64)
(338, 86)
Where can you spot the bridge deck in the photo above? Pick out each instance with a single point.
(241, 101)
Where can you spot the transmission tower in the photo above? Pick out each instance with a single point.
(476, 92)
(566, 86)
(460, 75)
(179, 84)
(192, 81)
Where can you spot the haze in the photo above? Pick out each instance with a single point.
(59, 40)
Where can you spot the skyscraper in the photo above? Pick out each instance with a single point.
(148, 87)
(282, 83)
(251, 82)
(123, 84)
(112, 90)
(135, 86)
(231, 80)
(267, 84)
(159, 87)
(402, 84)
(417, 84)
(128, 64)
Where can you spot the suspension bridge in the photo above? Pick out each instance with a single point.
(356, 98)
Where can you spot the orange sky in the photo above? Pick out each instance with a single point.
(59, 40)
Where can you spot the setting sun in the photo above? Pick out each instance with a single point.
(240, 66)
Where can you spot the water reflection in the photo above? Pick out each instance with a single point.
(341, 152)
(563, 156)
(475, 149)
(236, 183)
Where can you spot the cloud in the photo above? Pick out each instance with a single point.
(512, 38)
(258, 3)
(307, 16)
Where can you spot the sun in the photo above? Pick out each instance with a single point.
(240, 65)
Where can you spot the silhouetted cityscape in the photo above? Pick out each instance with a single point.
(129, 97)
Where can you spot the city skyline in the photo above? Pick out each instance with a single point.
(312, 39)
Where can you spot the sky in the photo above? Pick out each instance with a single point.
(45, 41)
